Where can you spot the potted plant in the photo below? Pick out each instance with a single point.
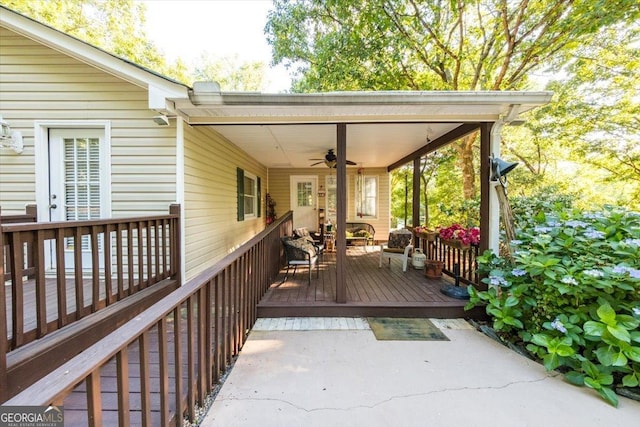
(460, 237)
(433, 268)
(426, 233)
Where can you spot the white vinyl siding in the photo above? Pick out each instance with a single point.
(39, 84)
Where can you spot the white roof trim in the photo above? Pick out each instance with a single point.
(368, 98)
(211, 107)
(92, 55)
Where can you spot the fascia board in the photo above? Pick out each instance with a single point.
(372, 98)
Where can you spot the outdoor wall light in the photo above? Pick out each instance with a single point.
(500, 168)
(9, 139)
(161, 120)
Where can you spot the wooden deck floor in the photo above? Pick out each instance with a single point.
(371, 291)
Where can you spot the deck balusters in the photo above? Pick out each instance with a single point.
(465, 258)
(83, 273)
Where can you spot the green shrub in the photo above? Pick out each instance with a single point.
(571, 294)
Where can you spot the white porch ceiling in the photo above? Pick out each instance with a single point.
(287, 130)
(369, 145)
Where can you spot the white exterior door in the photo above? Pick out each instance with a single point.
(76, 183)
(304, 201)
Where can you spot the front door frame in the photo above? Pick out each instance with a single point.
(42, 173)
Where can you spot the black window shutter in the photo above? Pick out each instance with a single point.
(259, 198)
(240, 194)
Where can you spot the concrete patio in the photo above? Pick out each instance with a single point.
(333, 372)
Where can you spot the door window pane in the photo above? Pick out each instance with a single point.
(81, 181)
(305, 196)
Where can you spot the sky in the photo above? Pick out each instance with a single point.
(187, 28)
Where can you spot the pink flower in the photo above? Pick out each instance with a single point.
(468, 236)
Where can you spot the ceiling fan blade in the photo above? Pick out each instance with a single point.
(349, 162)
(315, 159)
(317, 163)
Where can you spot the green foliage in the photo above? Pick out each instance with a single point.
(231, 73)
(441, 199)
(571, 292)
(400, 44)
(589, 133)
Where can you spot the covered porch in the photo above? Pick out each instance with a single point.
(377, 132)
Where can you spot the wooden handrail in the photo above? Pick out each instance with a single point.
(207, 319)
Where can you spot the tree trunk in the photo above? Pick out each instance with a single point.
(465, 160)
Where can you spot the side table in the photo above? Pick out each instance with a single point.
(330, 242)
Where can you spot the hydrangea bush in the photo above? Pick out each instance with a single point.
(571, 294)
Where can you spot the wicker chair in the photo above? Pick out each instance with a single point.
(300, 252)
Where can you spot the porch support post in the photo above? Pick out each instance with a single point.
(415, 220)
(489, 209)
(493, 225)
(341, 213)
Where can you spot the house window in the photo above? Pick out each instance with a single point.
(248, 195)
(330, 208)
(366, 196)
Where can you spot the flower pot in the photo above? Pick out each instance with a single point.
(431, 236)
(433, 268)
(455, 243)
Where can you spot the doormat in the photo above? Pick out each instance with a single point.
(405, 329)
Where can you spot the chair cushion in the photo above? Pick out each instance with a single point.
(361, 233)
(303, 233)
(399, 238)
(394, 250)
(304, 245)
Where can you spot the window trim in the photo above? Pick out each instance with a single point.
(41, 142)
(257, 202)
(358, 197)
(254, 196)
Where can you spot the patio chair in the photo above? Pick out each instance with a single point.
(300, 252)
(316, 239)
(399, 246)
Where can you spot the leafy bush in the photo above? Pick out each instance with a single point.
(571, 294)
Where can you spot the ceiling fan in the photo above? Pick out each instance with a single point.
(330, 159)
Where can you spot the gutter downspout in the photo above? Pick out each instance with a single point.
(180, 191)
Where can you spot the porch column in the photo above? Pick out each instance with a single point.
(494, 204)
(415, 220)
(416, 192)
(489, 209)
(341, 213)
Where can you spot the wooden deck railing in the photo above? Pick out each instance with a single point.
(459, 263)
(30, 215)
(80, 266)
(216, 309)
